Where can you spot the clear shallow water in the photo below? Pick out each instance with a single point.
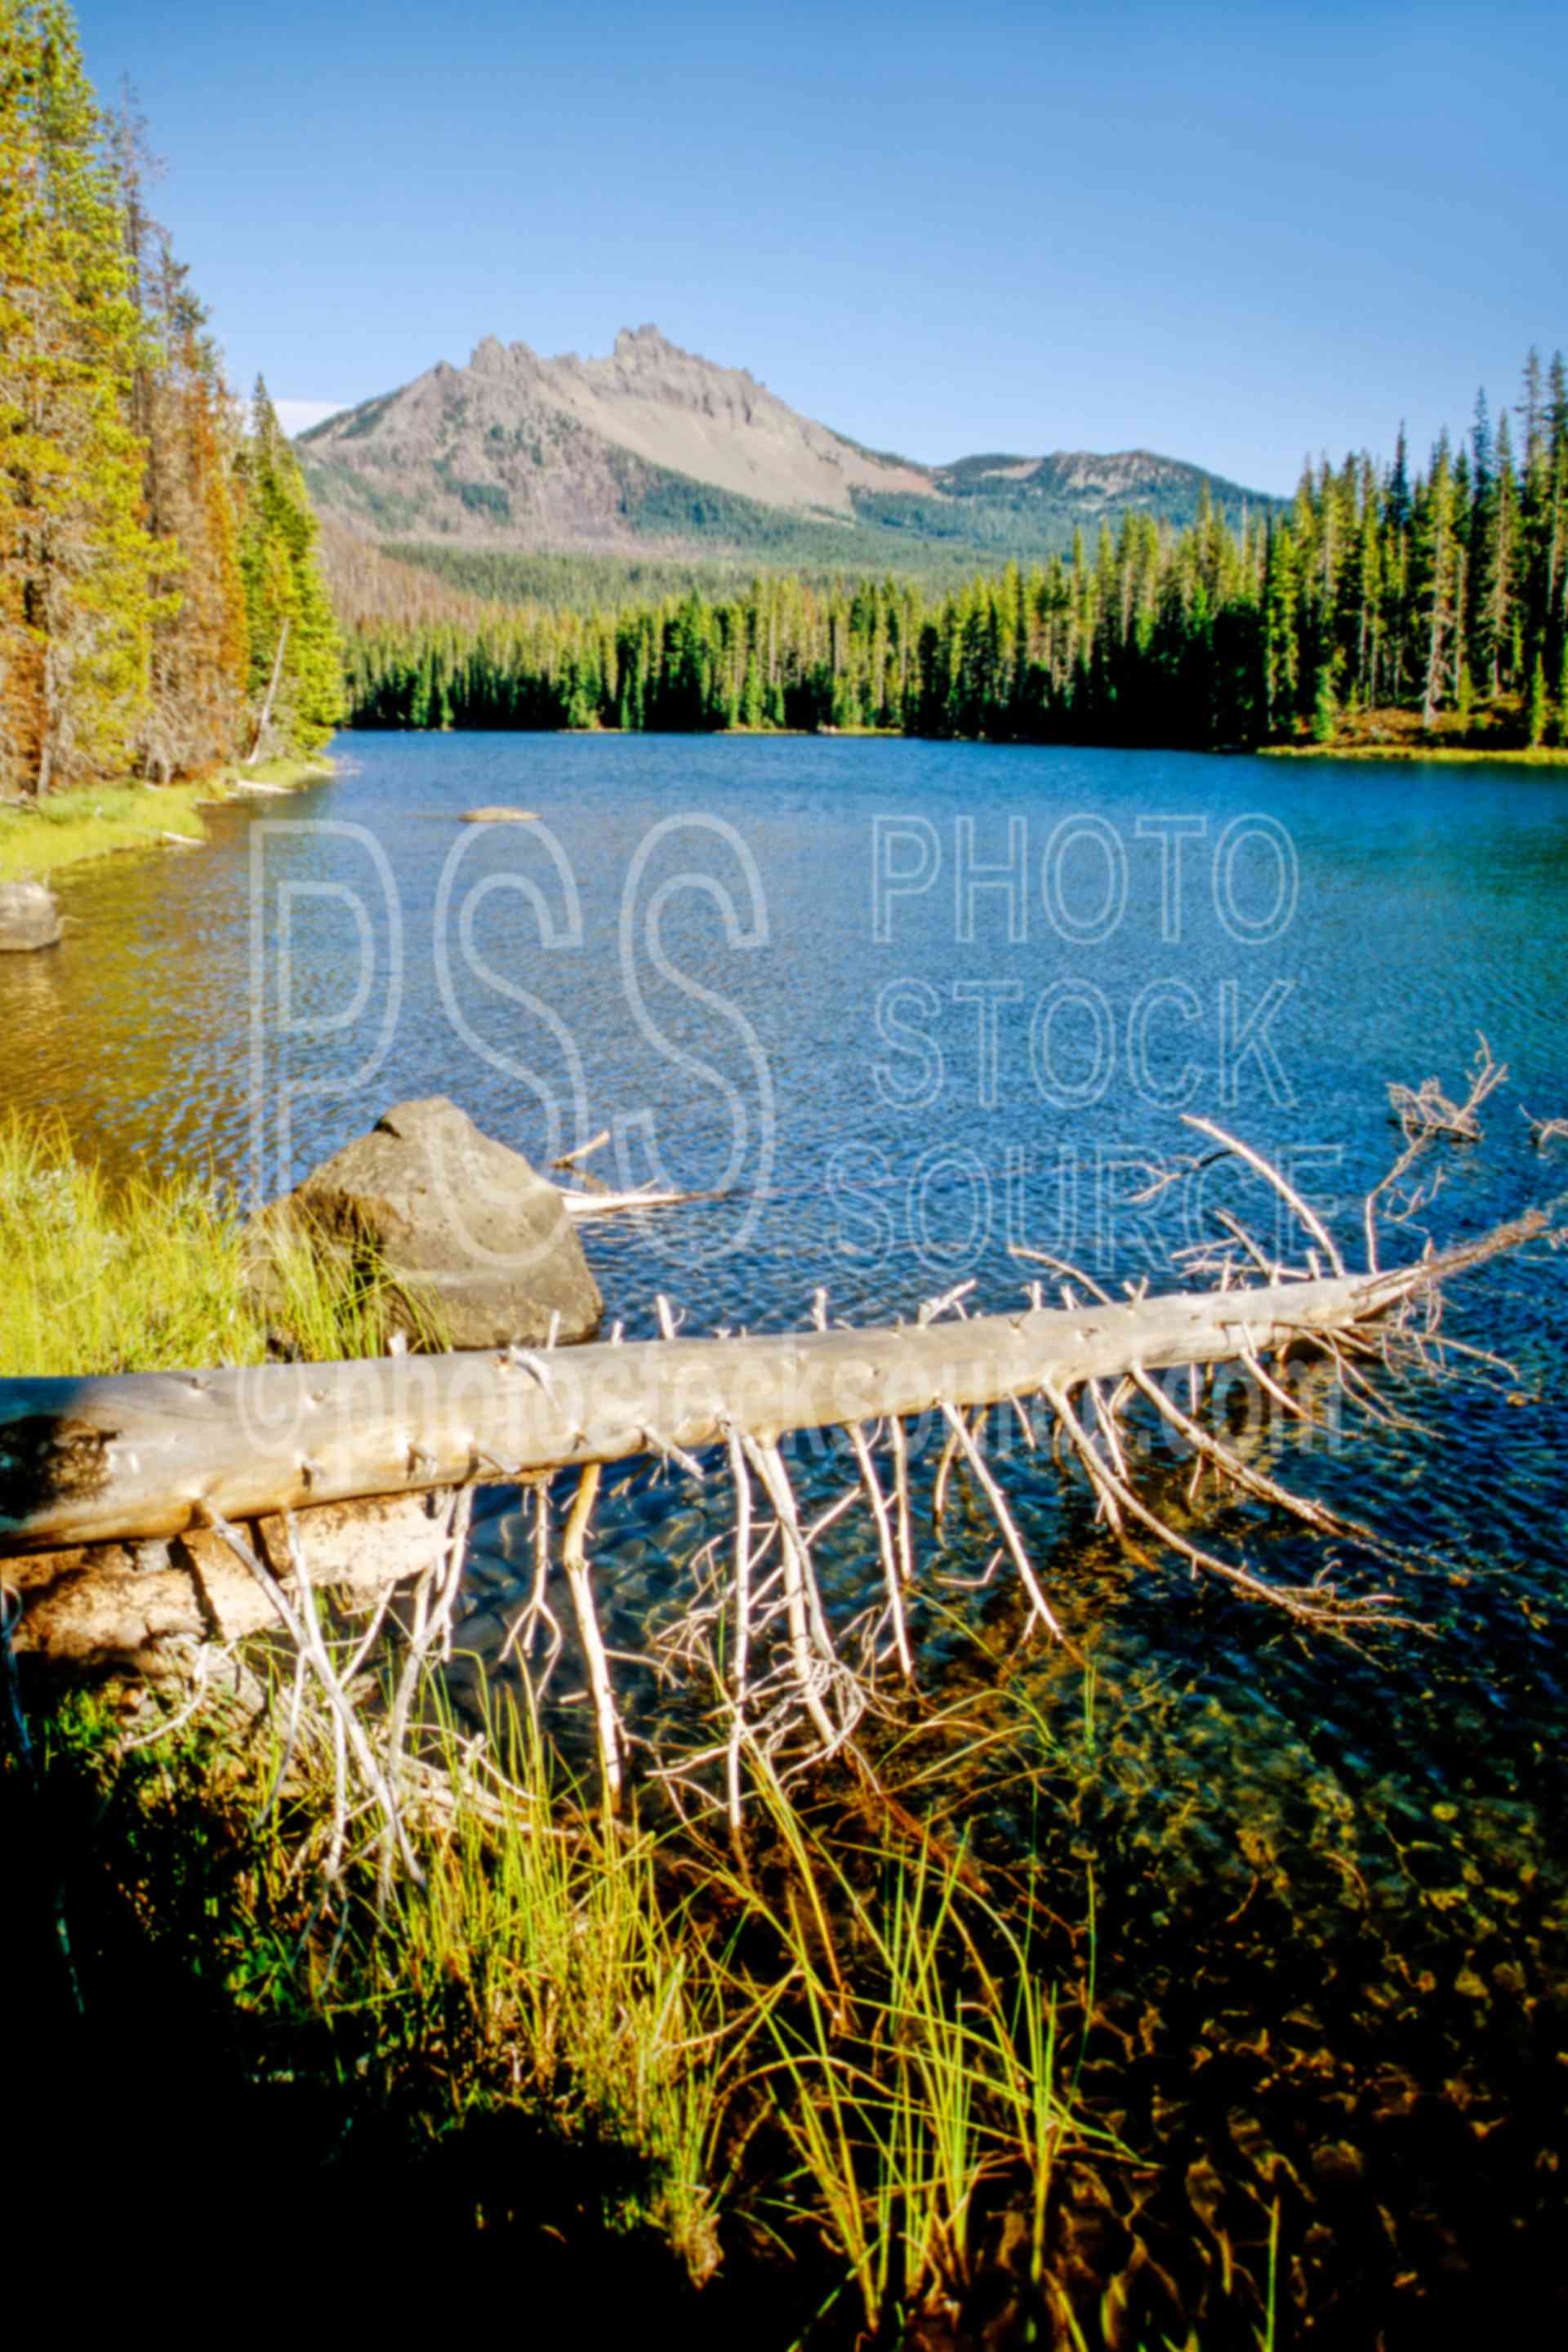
(1329, 1887)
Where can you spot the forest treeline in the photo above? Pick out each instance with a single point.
(1437, 594)
(161, 605)
(159, 589)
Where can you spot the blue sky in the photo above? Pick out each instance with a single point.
(1233, 235)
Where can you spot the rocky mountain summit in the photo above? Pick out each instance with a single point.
(652, 445)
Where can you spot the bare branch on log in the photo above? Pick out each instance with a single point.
(303, 1627)
(580, 1583)
(877, 1503)
(1270, 1175)
(1015, 1542)
(584, 1150)
(742, 1640)
(1543, 1131)
(811, 1647)
(1426, 1111)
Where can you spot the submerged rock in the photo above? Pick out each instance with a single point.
(28, 917)
(482, 1241)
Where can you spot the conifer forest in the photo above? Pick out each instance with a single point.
(1436, 594)
(159, 592)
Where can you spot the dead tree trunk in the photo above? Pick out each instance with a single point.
(154, 1513)
(151, 1453)
(120, 1498)
(265, 720)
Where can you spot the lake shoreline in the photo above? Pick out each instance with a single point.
(1545, 755)
(86, 822)
(1542, 755)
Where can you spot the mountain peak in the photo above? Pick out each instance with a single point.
(519, 450)
(644, 342)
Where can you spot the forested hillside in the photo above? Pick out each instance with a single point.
(158, 581)
(1436, 598)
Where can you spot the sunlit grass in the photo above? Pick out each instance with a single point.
(919, 2073)
(39, 838)
(89, 821)
(549, 1942)
(1537, 755)
(152, 1276)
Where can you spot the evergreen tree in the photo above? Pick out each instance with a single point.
(77, 604)
(1437, 559)
(138, 624)
(295, 650)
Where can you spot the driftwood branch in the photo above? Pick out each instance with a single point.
(1543, 1131)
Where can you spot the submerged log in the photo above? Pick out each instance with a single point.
(145, 1604)
(153, 1454)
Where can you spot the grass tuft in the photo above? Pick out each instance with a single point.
(154, 1276)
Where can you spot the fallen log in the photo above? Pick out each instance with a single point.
(151, 1453)
(605, 1204)
(144, 1606)
(145, 1514)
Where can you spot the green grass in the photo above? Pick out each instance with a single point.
(545, 1952)
(154, 1276)
(834, 2051)
(925, 2086)
(37, 838)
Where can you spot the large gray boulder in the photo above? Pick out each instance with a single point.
(28, 917)
(462, 1220)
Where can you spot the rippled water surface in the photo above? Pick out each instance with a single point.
(1330, 1881)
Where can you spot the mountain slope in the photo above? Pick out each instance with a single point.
(653, 447)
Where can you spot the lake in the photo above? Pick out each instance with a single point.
(910, 1005)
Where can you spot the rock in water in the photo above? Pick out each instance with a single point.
(28, 917)
(465, 1222)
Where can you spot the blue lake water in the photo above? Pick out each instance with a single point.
(910, 1005)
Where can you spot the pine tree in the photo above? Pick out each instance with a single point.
(77, 604)
(1437, 565)
(1281, 661)
(1397, 499)
(1536, 713)
(295, 650)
